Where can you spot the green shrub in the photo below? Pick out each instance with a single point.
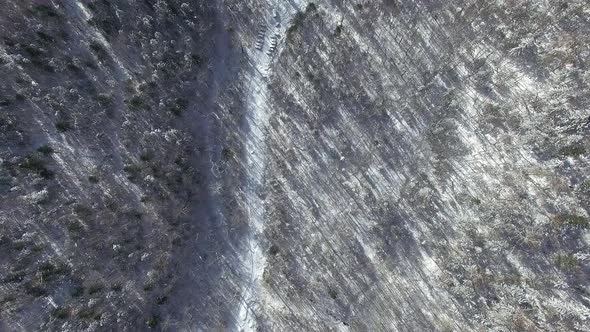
(273, 250)
(107, 26)
(574, 150)
(74, 227)
(227, 153)
(95, 288)
(82, 210)
(77, 291)
(133, 171)
(152, 322)
(37, 248)
(297, 22)
(35, 290)
(50, 271)
(146, 156)
(197, 60)
(37, 57)
(87, 313)
(104, 98)
(574, 220)
(136, 102)
(566, 261)
(46, 11)
(585, 186)
(15, 276)
(7, 299)
(93, 179)
(63, 126)
(179, 106)
(61, 313)
(99, 51)
(32, 163)
(333, 293)
(33, 51)
(36, 165)
(45, 37)
(45, 149)
(19, 245)
(161, 299)
(5, 101)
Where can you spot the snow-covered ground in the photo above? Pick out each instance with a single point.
(270, 34)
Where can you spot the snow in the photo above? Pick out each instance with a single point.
(258, 109)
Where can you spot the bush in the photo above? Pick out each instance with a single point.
(161, 299)
(106, 26)
(311, 7)
(50, 271)
(87, 313)
(333, 293)
(566, 261)
(33, 52)
(77, 291)
(574, 150)
(16, 276)
(104, 99)
(7, 299)
(197, 60)
(82, 210)
(574, 220)
(36, 165)
(45, 149)
(5, 101)
(179, 106)
(63, 126)
(227, 154)
(45, 37)
(45, 11)
(297, 22)
(136, 102)
(35, 290)
(152, 322)
(37, 57)
(33, 163)
(19, 245)
(273, 250)
(146, 156)
(133, 171)
(99, 51)
(585, 186)
(61, 313)
(74, 227)
(95, 288)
